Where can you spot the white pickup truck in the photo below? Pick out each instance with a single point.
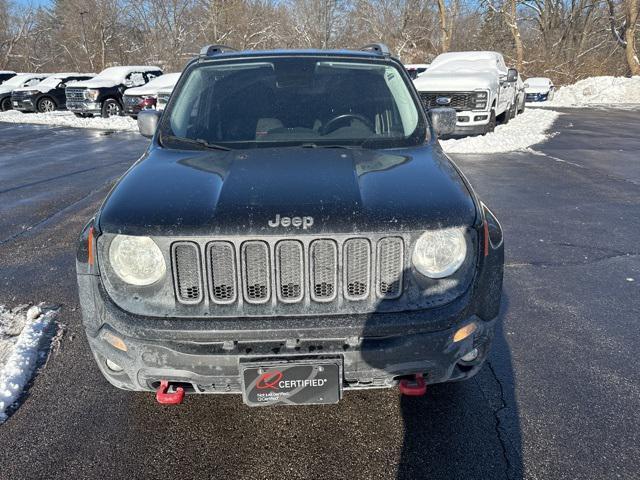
(478, 85)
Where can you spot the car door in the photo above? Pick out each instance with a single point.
(507, 89)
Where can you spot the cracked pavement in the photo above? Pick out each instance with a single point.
(559, 398)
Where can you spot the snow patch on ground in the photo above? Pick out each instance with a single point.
(613, 91)
(527, 129)
(21, 339)
(68, 119)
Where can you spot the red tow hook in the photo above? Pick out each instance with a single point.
(165, 398)
(413, 388)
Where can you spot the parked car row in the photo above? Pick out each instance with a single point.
(480, 86)
(114, 91)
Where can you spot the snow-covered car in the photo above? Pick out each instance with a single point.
(146, 96)
(539, 89)
(478, 85)
(520, 95)
(102, 95)
(18, 81)
(6, 75)
(163, 98)
(416, 69)
(48, 95)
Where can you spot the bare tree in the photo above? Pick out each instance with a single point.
(625, 34)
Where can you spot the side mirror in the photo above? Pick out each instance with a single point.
(443, 120)
(62, 85)
(128, 83)
(512, 75)
(148, 122)
(526, 85)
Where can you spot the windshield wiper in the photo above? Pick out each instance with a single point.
(315, 145)
(196, 141)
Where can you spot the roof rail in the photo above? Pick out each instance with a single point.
(379, 48)
(212, 50)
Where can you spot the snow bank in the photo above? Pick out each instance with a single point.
(21, 335)
(527, 129)
(598, 90)
(68, 119)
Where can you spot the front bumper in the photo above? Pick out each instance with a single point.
(84, 107)
(537, 97)
(24, 104)
(204, 355)
(471, 122)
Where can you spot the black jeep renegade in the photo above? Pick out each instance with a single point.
(294, 230)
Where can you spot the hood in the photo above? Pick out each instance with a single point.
(172, 192)
(96, 83)
(448, 81)
(163, 82)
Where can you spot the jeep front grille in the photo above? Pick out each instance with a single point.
(187, 275)
(221, 259)
(75, 94)
(256, 271)
(324, 270)
(287, 271)
(457, 100)
(390, 257)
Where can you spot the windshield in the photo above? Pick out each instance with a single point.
(50, 82)
(18, 80)
(294, 101)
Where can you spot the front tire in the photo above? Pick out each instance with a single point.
(491, 126)
(521, 110)
(111, 108)
(46, 104)
(5, 105)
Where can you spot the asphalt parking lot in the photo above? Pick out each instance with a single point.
(559, 398)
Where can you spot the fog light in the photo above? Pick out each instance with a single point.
(464, 332)
(471, 356)
(114, 367)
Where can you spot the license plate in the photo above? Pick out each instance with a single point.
(295, 383)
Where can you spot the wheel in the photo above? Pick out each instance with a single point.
(491, 126)
(513, 111)
(46, 104)
(111, 108)
(522, 107)
(5, 104)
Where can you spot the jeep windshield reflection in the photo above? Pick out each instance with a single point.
(294, 102)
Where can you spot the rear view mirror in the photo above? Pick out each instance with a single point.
(512, 75)
(148, 122)
(443, 120)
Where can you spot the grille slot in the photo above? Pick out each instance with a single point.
(458, 101)
(324, 270)
(357, 268)
(256, 272)
(290, 274)
(390, 267)
(186, 272)
(222, 272)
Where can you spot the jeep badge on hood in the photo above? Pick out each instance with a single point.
(304, 222)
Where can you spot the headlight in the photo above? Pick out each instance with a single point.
(481, 100)
(439, 253)
(136, 260)
(91, 94)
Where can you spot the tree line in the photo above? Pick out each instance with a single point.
(562, 39)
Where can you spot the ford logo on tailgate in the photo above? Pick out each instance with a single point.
(443, 100)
